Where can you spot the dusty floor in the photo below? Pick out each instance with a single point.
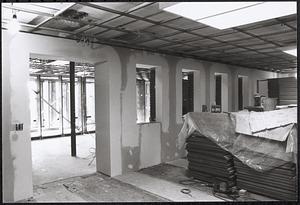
(58, 177)
(154, 184)
(91, 188)
(51, 158)
(158, 183)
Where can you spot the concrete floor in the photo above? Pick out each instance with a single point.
(164, 180)
(91, 188)
(155, 184)
(58, 177)
(51, 158)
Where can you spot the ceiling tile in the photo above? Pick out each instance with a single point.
(110, 34)
(183, 23)
(163, 17)
(119, 21)
(147, 11)
(119, 6)
(269, 29)
(232, 36)
(159, 30)
(137, 25)
(181, 37)
(153, 43)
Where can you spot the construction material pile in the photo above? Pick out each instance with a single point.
(208, 162)
(264, 146)
(278, 183)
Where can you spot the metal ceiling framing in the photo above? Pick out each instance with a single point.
(257, 45)
(170, 27)
(116, 17)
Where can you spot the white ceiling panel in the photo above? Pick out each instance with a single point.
(23, 17)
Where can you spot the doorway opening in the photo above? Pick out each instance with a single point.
(243, 92)
(221, 91)
(51, 105)
(187, 91)
(240, 92)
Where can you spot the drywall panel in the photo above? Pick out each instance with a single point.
(7, 158)
(149, 134)
(102, 118)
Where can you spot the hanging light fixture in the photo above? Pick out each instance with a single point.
(14, 25)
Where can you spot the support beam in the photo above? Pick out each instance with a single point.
(61, 104)
(40, 105)
(72, 109)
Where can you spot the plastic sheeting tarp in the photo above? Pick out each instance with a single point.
(259, 153)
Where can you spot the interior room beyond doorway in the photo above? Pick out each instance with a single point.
(50, 89)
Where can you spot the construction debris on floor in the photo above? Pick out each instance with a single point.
(164, 182)
(91, 188)
(234, 152)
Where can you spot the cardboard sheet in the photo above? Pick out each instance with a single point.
(260, 121)
(274, 125)
(277, 134)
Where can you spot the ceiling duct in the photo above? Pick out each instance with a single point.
(69, 20)
(73, 14)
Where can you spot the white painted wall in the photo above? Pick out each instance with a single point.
(16, 63)
(118, 141)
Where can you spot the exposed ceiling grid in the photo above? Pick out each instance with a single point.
(142, 25)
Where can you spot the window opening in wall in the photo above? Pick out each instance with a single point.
(50, 98)
(240, 92)
(145, 94)
(187, 92)
(218, 97)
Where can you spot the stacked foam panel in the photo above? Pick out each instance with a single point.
(279, 183)
(208, 162)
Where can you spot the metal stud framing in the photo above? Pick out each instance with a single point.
(193, 42)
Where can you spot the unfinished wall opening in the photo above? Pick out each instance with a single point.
(240, 93)
(145, 93)
(221, 91)
(50, 107)
(243, 92)
(50, 98)
(187, 91)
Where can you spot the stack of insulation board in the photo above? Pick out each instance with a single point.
(278, 183)
(208, 162)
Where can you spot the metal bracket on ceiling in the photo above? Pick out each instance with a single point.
(84, 40)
